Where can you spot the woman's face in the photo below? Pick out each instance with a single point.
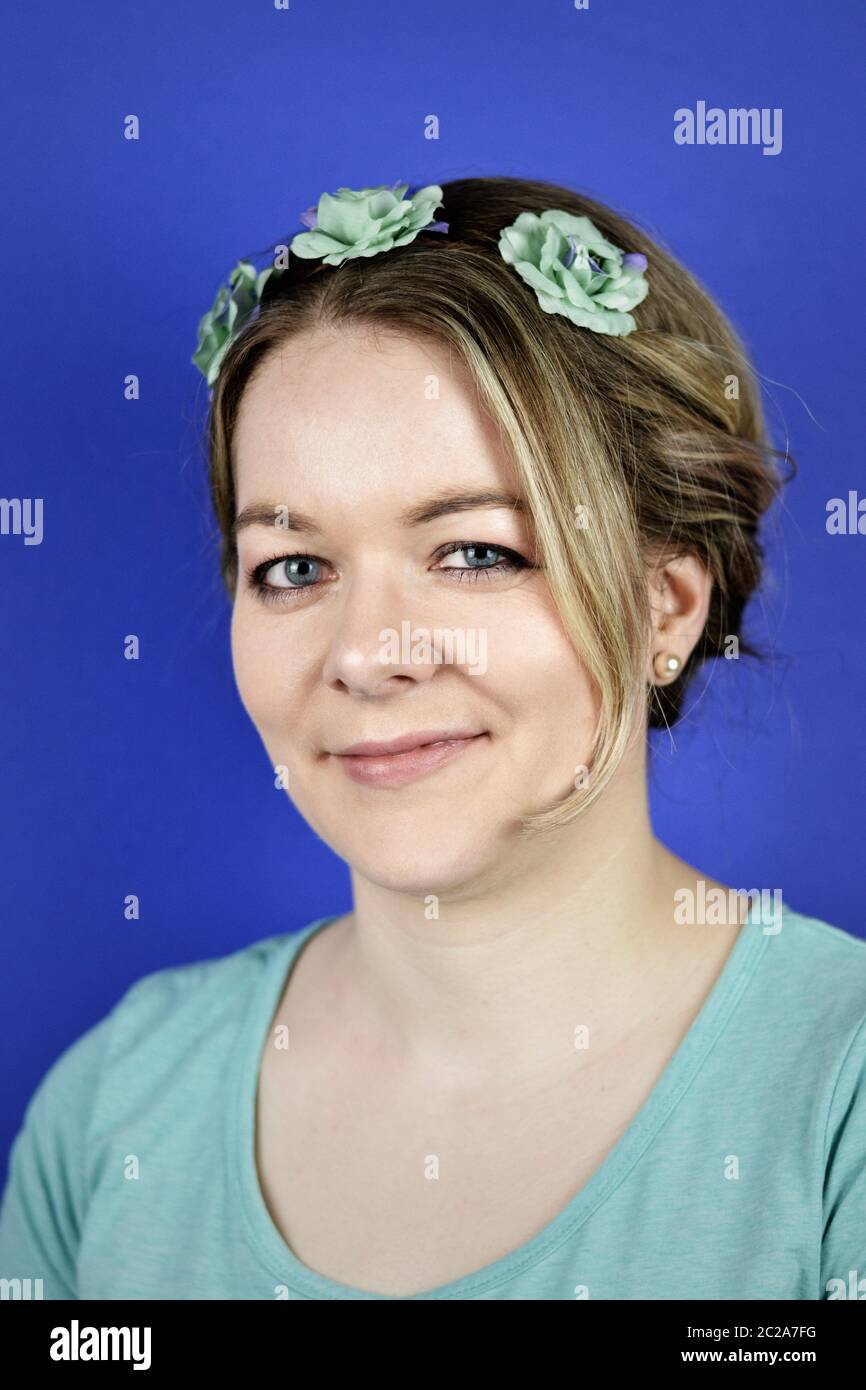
(346, 446)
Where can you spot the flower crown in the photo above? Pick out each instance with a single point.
(571, 267)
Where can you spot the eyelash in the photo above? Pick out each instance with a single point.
(269, 593)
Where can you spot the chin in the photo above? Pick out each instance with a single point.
(419, 862)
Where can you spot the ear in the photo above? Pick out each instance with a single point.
(679, 592)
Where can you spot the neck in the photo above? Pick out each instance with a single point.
(494, 976)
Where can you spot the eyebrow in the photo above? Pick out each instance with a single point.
(440, 504)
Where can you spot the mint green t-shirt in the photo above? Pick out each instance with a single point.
(743, 1175)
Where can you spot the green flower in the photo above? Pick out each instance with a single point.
(236, 302)
(575, 271)
(363, 221)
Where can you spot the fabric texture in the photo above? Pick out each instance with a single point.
(743, 1175)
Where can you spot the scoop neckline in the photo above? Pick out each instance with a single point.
(290, 1272)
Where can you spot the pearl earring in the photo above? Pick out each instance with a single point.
(666, 665)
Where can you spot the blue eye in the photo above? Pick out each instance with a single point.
(294, 572)
(284, 577)
(509, 562)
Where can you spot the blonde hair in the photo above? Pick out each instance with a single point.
(645, 432)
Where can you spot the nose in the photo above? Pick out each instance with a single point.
(375, 648)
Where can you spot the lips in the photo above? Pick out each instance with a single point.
(385, 747)
(396, 761)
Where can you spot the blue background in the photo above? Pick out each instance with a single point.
(146, 777)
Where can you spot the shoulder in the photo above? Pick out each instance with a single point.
(157, 1055)
(800, 1027)
(177, 1031)
(830, 967)
(820, 979)
(816, 973)
(153, 1028)
(199, 994)
(815, 996)
(822, 942)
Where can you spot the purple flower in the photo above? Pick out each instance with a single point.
(573, 243)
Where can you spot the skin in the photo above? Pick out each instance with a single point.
(530, 937)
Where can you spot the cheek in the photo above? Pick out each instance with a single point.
(247, 671)
(535, 660)
(266, 676)
(551, 697)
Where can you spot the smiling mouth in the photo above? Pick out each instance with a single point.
(407, 763)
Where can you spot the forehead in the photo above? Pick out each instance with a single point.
(351, 413)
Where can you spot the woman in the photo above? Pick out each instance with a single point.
(489, 489)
